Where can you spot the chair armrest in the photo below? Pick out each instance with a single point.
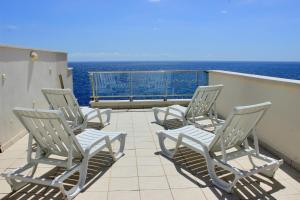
(183, 135)
(175, 109)
(92, 111)
(106, 138)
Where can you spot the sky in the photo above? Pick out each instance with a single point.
(156, 30)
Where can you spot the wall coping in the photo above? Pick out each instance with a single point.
(27, 48)
(259, 77)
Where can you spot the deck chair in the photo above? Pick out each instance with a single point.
(78, 117)
(232, 135)
(201, 107)
(54, 137)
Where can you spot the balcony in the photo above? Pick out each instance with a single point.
(143, 173)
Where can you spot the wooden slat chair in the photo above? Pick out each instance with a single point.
(202, 106)
(54, 136)
(233, 134)
(78, 117)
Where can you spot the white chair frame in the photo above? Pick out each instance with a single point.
(53, 136)
(233, 134)
(78, 117)
(202, 106)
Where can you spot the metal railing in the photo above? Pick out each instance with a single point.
(169, 84)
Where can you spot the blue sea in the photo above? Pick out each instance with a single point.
(82, 86)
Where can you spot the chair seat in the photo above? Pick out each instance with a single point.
(89, 136)
(181, 109)
(201, 135)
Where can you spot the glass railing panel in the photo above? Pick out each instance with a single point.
(148, 84)
(171, 84)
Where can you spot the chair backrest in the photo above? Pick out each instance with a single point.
(64, 100)
(238, 126)
(203, 100)
(50, 130)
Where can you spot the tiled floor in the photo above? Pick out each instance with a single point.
(145, 174)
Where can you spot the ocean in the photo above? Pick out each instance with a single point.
(82, 86)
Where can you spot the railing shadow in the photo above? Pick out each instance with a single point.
(98, 166)
(193, 166)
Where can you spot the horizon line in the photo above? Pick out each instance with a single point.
(282, 61)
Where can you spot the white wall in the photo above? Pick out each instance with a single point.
(22, 85)
(279, 130)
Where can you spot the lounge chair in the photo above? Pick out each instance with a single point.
(78, 117)
(233, 134)
(201, 107)
(54, 136)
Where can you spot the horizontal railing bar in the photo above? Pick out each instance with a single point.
(146, 95)
(145, 71)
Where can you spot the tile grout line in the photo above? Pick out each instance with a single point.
(161, 161)
(136, 164)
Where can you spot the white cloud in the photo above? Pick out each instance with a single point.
(93, 56)
(224, 12)
(154, 1)
(9, 27)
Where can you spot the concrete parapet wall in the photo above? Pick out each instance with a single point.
(279, 131)
(21, 80)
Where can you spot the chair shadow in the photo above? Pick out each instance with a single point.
(193, 166)
(98, 166)
(95, 125)
(172, 124)
(176, 123)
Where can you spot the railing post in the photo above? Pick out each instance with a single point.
(130, 86)
(206, 73)
(197, 78)
(93, 86)
(166, 87)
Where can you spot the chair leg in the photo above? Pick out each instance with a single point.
(71, 193)
(226, 186)
(16, 185)
(165, 117)
(165, 151)
(156, 112)
(272, 166)
(270, 172)
(107, 112)
(120, 151)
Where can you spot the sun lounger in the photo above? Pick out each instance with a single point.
(201, 107)
(53, 136)
(233, 135)
(78, 117)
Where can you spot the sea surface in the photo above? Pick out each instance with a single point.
(82, 86)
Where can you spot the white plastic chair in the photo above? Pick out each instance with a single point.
(201, 107)
(78, 117)
(54, 136)
(233, 134)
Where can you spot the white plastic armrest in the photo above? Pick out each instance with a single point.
(89, 113)
(92, 111)
(106, 138)
(171, 108)
(183, 135)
